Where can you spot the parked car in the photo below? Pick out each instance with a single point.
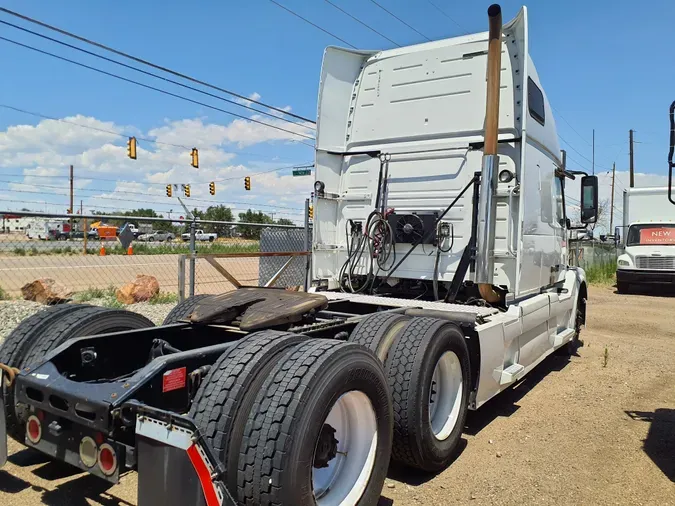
(200, 235)
(91, 234)
(157, 236)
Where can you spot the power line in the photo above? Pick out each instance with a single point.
(157, 76)
(85, 176)
(362, 23)
(112, 132)
(580, 154)
(447, 16)
(165, 92)
(131, 192)
(570, 125)
(264, 172)
(313, 24)
(150, 64)
(399, 19)
(155, 203)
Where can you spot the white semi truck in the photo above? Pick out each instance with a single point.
(439, 279)
(648, 238)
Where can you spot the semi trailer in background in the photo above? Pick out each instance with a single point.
(439, 279)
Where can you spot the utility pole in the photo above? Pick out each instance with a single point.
(630, 142)
(594, 151)
(611, 209)
(71, 199)
(272, 214)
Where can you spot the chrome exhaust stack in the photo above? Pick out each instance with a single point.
(487, 208)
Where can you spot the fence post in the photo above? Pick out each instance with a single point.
(181, 278)
(193, 252)
(308, 262)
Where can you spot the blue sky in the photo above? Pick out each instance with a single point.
(604, 65)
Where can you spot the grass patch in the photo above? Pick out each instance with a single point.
(601, 274)
(3, 294)
(112, 303)
(164, 298)
(94, 293)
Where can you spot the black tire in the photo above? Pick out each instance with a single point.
(17, 344)
(378, 331)
(88, 321)
(278, 452)
(410, 370)
(211, 239)
(184, 309)
(225, 398)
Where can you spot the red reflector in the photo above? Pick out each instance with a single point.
(174, 379)
(33, 429)
(98, 438)
(107, 460)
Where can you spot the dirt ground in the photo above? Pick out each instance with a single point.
(598, 428)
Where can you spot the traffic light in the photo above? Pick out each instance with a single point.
(247, 182)
(195, 158)
(131, 148)
(311, 212)
(212, 188)
(187, 190)
(169, 191)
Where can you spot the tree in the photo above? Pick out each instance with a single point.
(250, 216)
(285, 221)
(218, 213)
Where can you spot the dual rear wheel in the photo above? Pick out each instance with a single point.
(300, 421)
(277, 400)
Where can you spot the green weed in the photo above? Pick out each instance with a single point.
(601, 273)
(164, 298)
(92, 293)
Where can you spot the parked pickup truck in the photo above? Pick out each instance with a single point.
(200, 235)
(157, 236)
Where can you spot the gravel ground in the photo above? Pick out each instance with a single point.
(598, 428)
(13, 311)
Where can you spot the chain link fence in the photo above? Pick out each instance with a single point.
(86, 256)
(592, 253)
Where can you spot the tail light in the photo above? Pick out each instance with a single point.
(107, 460)
(34, 429)
(88, 452)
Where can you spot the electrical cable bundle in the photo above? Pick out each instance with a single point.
(378, 239)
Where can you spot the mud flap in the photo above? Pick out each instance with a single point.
(3, 422)
(175, 465)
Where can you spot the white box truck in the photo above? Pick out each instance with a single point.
(440, 279)
(648, 236)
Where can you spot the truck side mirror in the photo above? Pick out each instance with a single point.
(568, 223)
(589, 199)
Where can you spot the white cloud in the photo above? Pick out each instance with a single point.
(253, 96)
(62, 135)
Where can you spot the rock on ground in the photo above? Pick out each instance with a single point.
(142, 289)
(46, 291)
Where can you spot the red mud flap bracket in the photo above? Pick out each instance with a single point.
(175, 465)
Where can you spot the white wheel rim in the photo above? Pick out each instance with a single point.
(343, 482)
(445, 395)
